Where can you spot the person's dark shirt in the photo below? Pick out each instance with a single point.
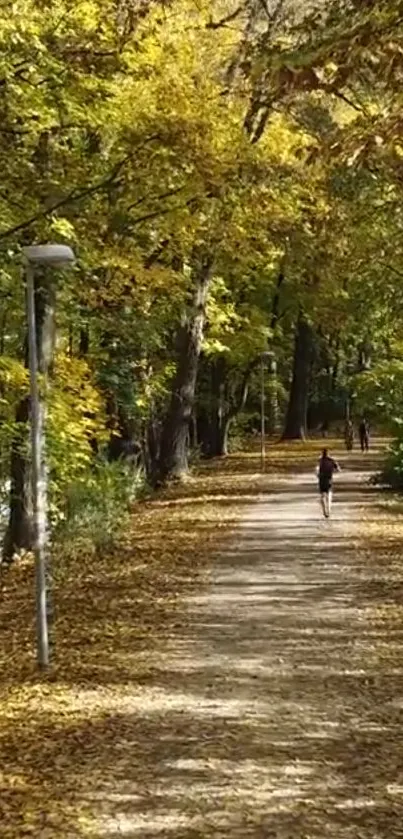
(327, 466)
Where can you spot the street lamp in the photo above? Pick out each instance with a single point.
(46, 256)
(265, 356)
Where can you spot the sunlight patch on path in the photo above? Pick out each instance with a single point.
(273, 714)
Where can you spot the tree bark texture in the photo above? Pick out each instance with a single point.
(273, 409)
(297, 411)
(225, 397)
(173, 457)
(19, 533)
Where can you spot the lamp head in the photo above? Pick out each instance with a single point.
(56, 255)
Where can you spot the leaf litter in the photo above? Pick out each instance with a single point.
(98, 746)
(111, 617)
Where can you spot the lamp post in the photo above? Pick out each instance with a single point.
(265, 356)
(57, 256)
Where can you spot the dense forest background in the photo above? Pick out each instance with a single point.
(229, 176)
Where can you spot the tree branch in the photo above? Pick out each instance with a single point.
(339, 95)
(160, 197)
(74, 196)
(155, 213)
(391, 268)
(19, 69)
(264, 6)
(228, 19)
(276, 300)
(240, 402)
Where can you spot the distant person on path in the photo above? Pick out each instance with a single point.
(324, 428)
(364, 435)
(326, 469)
(349, 435)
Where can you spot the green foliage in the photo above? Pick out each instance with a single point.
(392, 473)
(75, 421)
(379, 392)
(96, 510)
(14, 385)
(143, 133)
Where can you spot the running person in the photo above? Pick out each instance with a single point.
(364, 435)
(326, 469)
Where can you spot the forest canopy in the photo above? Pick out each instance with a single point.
(228, 175)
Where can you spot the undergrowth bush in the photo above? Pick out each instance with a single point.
(392, 473)
(242, 429)
(97, 507)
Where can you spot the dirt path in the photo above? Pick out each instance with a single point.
(276, 714)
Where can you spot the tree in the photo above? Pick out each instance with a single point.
(230, 180)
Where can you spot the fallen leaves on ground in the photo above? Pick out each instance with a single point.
(112, 616)
(380, 550)
(89, 737)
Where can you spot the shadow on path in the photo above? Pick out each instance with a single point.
(276, 712)
(276, 708)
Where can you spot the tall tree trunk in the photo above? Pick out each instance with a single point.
(193, 438)
(364, 356)
(216, 442)
(204, 431)
(225, 400)
(151, 445)
(84, 342)
(173, 459)
(19, 533)
(213, 409)
(336, 367)
(273, 409)
(275, 308)
(296, 419)
(221, 436)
